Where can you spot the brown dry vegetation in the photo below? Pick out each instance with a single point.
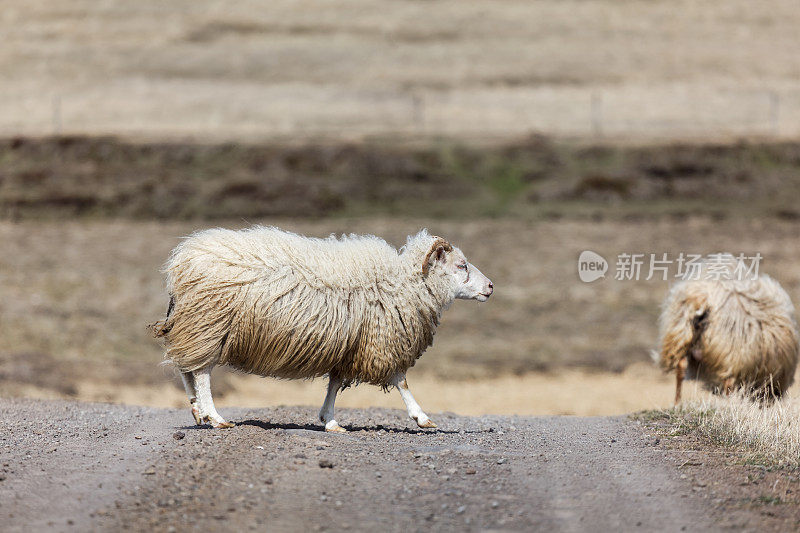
(534, 178)
(767, 435)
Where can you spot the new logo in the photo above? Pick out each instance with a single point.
(591, 266)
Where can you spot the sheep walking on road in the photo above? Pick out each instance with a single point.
(273, 303)
(730, 332)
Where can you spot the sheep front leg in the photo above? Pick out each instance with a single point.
(188, 385)
(326, 413)
(207, 412)
(414, 410)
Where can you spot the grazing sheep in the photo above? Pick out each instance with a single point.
(729, 331)
(273, 303)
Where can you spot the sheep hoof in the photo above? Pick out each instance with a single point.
(219, 423)
(427, 424)
(196, 414)
(334, 427)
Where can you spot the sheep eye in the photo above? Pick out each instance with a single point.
(463, 266)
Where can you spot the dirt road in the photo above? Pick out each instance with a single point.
(77, 467)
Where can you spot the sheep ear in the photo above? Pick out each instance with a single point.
(437, 253)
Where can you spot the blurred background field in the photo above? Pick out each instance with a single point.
(485, 69)
(524, 133)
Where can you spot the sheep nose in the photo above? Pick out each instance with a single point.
(491, 287)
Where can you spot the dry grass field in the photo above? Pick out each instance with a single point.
(764, 435)
(77, 296)
(291, 69)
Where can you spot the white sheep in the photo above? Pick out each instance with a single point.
(274, 303)
(729, 330)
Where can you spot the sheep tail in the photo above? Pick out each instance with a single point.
(162, 327)
(683, 327)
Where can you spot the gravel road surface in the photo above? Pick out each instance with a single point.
(69, 466)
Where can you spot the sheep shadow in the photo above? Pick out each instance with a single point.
(350, 428)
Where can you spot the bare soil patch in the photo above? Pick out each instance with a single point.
(536, 177)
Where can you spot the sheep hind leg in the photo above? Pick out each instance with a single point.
(728, 386)
(208, 413)
(191, 392)
(415, 412)
(680, 372)
(326, 413)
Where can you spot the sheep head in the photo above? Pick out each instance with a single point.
(467, 282)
